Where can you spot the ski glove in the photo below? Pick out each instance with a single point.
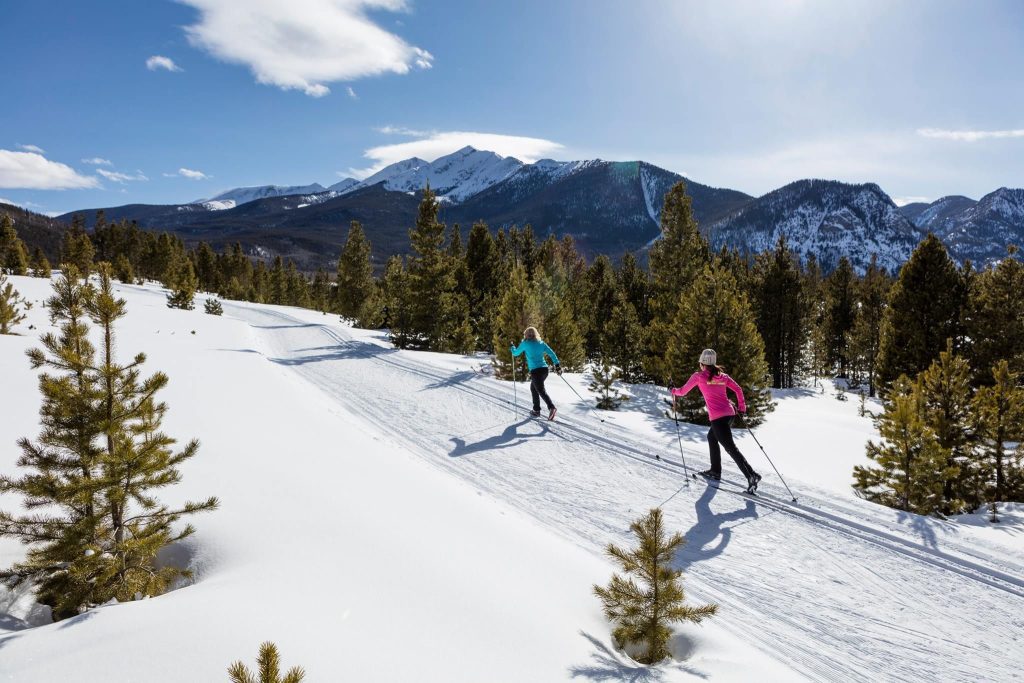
(558, 369)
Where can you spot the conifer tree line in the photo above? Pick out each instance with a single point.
(776, 321)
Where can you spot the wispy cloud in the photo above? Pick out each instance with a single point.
(402, 130)
(98, 161)
(969, 135)
(304, 44)
(32, 171)
(188, 173)
(438, 144)
(157, 62)
(351, 93)
(32, 148)
(117, 177)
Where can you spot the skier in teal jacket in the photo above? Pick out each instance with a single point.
(535, 349)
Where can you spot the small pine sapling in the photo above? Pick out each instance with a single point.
(608, 395)
(213, 307)
(269, 669)
(863, 409)
(643, 613)
(10, 306)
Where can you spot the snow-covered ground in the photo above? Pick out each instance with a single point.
(387, 516)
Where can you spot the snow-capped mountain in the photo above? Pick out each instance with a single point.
(940, 215)
(826, 218)
(344, 185)
(982, 231)
(455, 176)
(242, 195)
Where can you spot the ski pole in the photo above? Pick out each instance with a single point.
(515, 393)
(679, 438)
(769, 459)
(577, 393)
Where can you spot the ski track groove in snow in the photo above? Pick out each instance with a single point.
(833, 597)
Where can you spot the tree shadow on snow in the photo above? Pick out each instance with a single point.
(453, 380)
(708, 537)
(922, 526)
(608, 665)
(508, 438)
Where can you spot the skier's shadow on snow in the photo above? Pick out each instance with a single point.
(709, 535)
(508, 438)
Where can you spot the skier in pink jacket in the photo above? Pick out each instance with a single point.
(713, 383)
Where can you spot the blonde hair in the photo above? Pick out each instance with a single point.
(531, 333)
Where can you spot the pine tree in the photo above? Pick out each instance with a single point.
(558, 324)
(397, 306)
(13, 257)
(814, 296)
(866, 335)
(277, 283)
(839, 316)
(184, 285)
(429, 275)
(624, 339)
(518, 309)
(911, 468)
(213, 306)
(11, 303)
(320, 291)
(136, 460)
(999, 420)
(77, 249)
(355, 272)
(484, 272)
(600, 289)
(603, 384)
(634, 282)
(643, 613)
(676, 259)
(123, 269)
(714, 313)
(781, 312)
(946, 408)
(925, 309)
(40, 264)
(268, 669)
(996, 318)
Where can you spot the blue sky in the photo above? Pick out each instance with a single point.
(116, 102)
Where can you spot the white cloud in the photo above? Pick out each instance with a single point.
(188, 173)
(32, 148)
(903, 201)
(304, 44)
(31, 171)
(969, 135)
(351, 93)
(438, 144)
(120, 177)
(160, 62)
(98, 161)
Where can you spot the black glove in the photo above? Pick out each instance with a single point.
(558, 368)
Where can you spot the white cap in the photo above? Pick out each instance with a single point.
(708, 357)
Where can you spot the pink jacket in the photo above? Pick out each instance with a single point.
(713, 389)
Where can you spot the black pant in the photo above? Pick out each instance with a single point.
(721, 433)
(537, 377)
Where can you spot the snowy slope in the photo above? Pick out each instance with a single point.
(242, 195)
(456, 176)
(387, 515)
(826, 218)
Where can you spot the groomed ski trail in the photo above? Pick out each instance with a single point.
(834, 595)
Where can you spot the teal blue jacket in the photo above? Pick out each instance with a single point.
(534, 351)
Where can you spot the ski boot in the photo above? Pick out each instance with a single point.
(752, 482)
(711, 474)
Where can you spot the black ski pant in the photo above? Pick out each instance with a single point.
(537, 377)
(719, 435)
